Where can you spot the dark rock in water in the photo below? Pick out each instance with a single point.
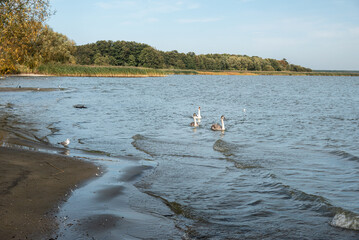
(79, 106)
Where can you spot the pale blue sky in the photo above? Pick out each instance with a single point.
(319, 34)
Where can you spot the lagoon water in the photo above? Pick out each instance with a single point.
(285, 168)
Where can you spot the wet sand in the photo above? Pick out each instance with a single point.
(32, 184)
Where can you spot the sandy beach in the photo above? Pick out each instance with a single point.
(32, 185)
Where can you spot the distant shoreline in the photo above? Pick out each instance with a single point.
(283, 73)
(60, 70)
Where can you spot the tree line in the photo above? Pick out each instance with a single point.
(26, 41)
(124, 53)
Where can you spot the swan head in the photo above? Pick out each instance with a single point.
(222, 117)
(199, 113)
(194, 115)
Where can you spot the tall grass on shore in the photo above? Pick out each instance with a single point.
(98, 71)
(282, 73)
(180, 72)
(112, 71)
(314, 73)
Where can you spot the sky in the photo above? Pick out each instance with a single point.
(318, 34)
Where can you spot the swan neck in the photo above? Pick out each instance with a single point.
(199, 113)
(222, 124)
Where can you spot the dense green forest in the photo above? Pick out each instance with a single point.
(123, 53)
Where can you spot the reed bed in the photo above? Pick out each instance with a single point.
(180, 72)
(98, 71)
(291, 73)
(113, 71)
(282, 73)
(226, 73)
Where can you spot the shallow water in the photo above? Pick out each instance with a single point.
(287, 167)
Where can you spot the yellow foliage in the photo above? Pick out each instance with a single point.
(20, 24)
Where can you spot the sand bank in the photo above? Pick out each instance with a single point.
(32, 184)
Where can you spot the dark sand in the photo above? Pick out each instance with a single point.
(32, 184)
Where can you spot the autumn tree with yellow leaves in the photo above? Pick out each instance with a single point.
(21, 24)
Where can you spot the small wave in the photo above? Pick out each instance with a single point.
(156, 147)
(96, 152)
(342, 217)
(187, 156)
(224, 147)
(180, 209)
(346, 220)
(229, 150)
(310, 201)
(132, 173)
(244, 165)
(137, 139)
(254, 203)
(341, 118)
(345, 155)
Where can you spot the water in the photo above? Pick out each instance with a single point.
(286, 167)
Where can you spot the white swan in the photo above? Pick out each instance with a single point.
(199, 113)
(65, 143)
(194, 123)
(217, 127)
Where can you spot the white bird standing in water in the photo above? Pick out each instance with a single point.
(194, 123)
(65, 143)
(217, 127)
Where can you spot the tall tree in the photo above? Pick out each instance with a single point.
(21, 22)
(51, 47)
(150, 57)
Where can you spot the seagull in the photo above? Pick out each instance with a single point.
(65, 143)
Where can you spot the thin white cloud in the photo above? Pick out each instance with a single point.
(152, 20)
(108, 5)
(354, 31)
(336, 31)
(198, 20)
(193, 6)
(145, 11)
(156, 6)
